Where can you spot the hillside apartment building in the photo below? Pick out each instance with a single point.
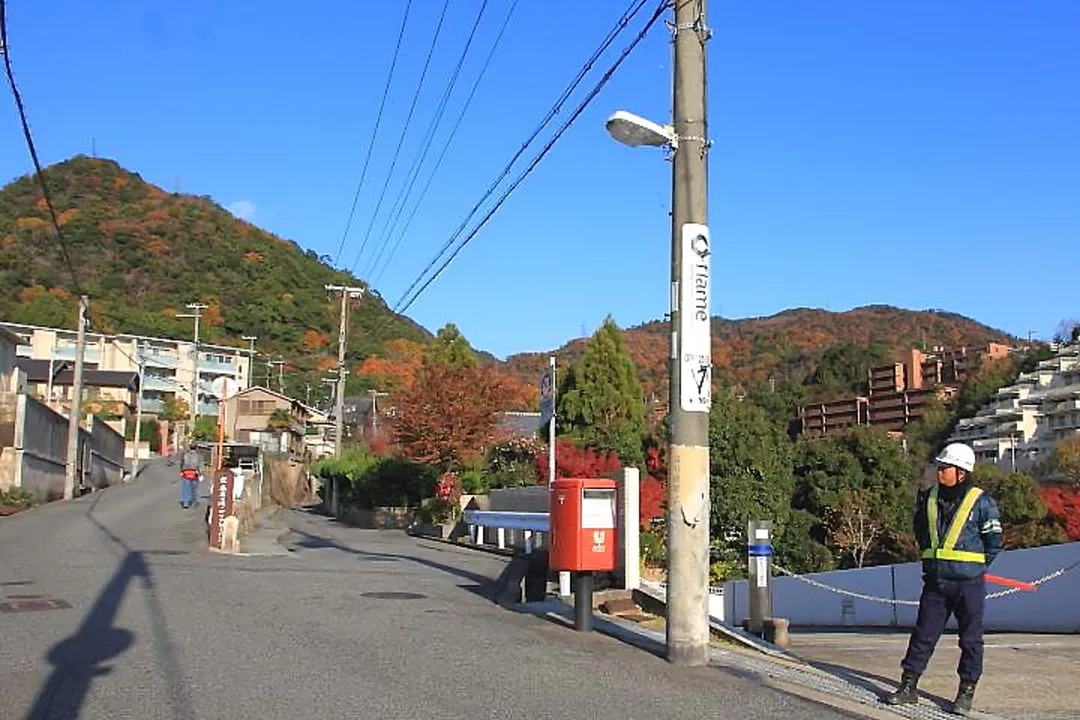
(111, 363)
(898, 392)
(1024, 421)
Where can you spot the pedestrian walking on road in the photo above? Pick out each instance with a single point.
(959, 533)
(191, 465)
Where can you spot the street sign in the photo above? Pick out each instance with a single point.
(695, 357)
(221, 506)
(224, 387)
(547, 395)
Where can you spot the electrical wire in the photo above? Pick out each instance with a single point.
(402, 305)
(627, 17)
(5, 50)
(415, 169)
(442, 105)
(375, 131)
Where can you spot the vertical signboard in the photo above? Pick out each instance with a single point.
(221, 505)
(695, 356)
(547, 394)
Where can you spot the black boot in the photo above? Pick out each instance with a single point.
(907, 693)
(964, 697)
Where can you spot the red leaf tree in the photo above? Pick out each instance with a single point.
(449, 415)
(585, 462)
(1063, 501)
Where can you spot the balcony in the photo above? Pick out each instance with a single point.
(217, 366)
(162, 360)
(208, 408)
(162, 383)
(152, 405)
(1007, 428)
(90, 355)
(1063, 407)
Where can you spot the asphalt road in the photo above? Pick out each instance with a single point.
(159, 627)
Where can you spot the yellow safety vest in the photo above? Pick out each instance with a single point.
(946, 550)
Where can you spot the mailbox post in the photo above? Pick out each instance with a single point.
(583, 536)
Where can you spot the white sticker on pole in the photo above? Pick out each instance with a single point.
(762, 572)
(695, 356)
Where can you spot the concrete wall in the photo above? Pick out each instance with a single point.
(106, 455)
(1051, 608)
(40, 445)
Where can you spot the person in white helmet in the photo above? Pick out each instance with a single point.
(959, 533)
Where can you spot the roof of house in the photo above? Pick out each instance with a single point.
(314, 412)
(37, 371)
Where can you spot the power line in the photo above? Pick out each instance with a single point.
(399, 308)
(375, 131)
(626, 19)
(404, 131)
(430, 133)
(415, 171)
(5, 50)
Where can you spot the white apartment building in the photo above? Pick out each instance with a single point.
(1024, 421)
(170, 365)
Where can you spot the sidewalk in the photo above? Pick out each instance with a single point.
(1025, 676)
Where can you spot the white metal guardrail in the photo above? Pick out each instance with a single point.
(534, 525)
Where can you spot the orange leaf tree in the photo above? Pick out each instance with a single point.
(449, 415)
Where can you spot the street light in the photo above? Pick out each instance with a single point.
(635, 131)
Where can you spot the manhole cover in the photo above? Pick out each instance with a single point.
(34, 605)
(393, 595)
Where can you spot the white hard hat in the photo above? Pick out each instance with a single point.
(958, 455)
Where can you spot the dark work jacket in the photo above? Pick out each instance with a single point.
(981, 532)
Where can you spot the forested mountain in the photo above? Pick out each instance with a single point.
(791, 346)
(141, 253)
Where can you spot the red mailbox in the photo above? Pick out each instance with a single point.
(583, 525)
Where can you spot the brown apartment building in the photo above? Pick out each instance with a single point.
(898, 392)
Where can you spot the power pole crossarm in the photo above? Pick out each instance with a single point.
(71, 469)
(347, 292)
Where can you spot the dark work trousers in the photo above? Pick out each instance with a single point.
(939, 600)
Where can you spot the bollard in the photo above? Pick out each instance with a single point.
(759, 564)
(583, 602)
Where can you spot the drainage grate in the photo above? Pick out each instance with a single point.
(34, 605)
(393, 595)
(24, 597)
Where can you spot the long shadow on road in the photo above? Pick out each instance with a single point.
(484, 584)
(80, 658)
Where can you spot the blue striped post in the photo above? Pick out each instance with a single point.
(759, 574)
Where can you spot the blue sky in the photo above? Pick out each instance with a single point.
(924, 155)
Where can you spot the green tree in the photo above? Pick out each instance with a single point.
(1064, 461)
(604, 407)
(451, 348)
(1024, 516)
(749, 471)
(205, 428)
(174, 409)
(863, 463)
(843, 367)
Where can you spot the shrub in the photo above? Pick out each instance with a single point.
(16, 497)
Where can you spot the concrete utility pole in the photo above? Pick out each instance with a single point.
(280, 377)
(72, 466)
(251, 358)
(346, 293)
(689, 398)
(196, 313)
(138, 410)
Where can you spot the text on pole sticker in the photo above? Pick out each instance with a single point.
(695, 356)
(762, 572)
(761, 534)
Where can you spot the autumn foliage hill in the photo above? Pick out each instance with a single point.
(141, 253)
(786, 347)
